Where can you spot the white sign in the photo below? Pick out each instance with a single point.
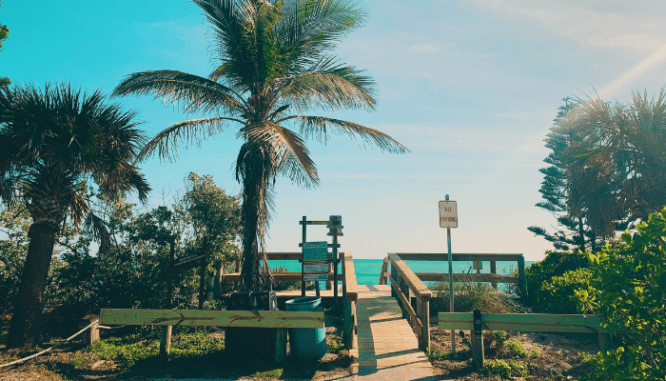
(315, 268)
(448, 214)
(315, 277)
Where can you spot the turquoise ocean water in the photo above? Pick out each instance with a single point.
(367, 270)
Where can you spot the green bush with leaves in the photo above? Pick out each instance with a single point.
(558, 293)
(503, 368)
(539, 274)
(628, 288)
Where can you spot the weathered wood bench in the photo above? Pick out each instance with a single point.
(521, 323)
(282, 320)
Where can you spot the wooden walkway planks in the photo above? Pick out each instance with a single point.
(387, 346)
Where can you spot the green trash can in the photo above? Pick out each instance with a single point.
(307, 343)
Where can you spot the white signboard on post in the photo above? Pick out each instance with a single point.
(448, 214)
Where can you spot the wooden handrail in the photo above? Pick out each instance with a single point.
(349, 276)
(281, 277)
(415, 284)
(288, 256)
(484, 277)
(463, 257)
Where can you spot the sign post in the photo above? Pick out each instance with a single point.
(316, 255)
(448, 218)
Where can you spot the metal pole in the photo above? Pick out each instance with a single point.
(302, 261)
(451, 309)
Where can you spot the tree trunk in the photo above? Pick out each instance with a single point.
(254, 167)
(25, 324)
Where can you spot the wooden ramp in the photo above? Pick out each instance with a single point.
(387, 346)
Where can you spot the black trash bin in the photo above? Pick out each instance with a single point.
(246, 342)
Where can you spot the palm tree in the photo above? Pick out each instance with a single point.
(52, 143)
(273, 61)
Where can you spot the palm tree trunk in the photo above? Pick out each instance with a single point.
(250, 278)
(27, 318)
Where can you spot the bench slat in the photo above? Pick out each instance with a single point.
(523, 322)
(257, 319)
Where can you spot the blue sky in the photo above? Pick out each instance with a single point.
(470, 87)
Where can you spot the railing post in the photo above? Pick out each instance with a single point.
(477, 340)
(382, 274)
(394, 277)
(423, 311)
(92, 335)
(493, 270)
(165, 344)
(522, 281)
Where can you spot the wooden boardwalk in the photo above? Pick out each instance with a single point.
(387, 346)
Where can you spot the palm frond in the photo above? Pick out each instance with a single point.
(317, 127)
(196, 93)
(329, 85)
(291, 155)
(97, 227)
(188, 132)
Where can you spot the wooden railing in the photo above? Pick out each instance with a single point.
(405, 283)
(522, 323)
(282, 276)
(350, 298)
(492, 278)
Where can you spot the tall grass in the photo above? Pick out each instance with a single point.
(469, 294)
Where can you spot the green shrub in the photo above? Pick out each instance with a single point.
(555, 264)
(514, 349)
(558, 292)
(504, 369)
(470, 295)
(285, 285)
(628, 288)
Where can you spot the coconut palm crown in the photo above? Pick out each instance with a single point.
(273, 64)
(52, 143)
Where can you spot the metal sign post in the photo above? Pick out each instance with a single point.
(448, 218)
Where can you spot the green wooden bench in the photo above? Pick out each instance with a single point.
(207, 318)
(522, 323)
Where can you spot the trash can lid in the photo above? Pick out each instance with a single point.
(304, 300)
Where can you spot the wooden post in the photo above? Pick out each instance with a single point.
(281, 345)
(423, 311)
(329, 283)
(394, 276)
(348, 323)
(522, 281)
(92, 335)
(165, 344)
(477, 350)
(493, 270)
(384, 271)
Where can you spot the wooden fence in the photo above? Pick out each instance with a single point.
(492, 278)
(522, 323)
(207, 318)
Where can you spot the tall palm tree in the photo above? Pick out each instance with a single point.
(52, 143)
(273, 63)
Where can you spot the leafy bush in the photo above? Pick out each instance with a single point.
(555, 264)
(504, 369)
(285, 285)
(628, 288)
(558, 292)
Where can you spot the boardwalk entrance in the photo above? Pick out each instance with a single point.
(387, 346)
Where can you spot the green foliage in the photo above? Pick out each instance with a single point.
(470, 295)
(558, 293)
(627, 288)
(514, 349)
(539, 274)
(131, 349)
(504, 369)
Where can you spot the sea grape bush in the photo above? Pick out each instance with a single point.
(558, 293)
(628, 288)
(541, 286)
